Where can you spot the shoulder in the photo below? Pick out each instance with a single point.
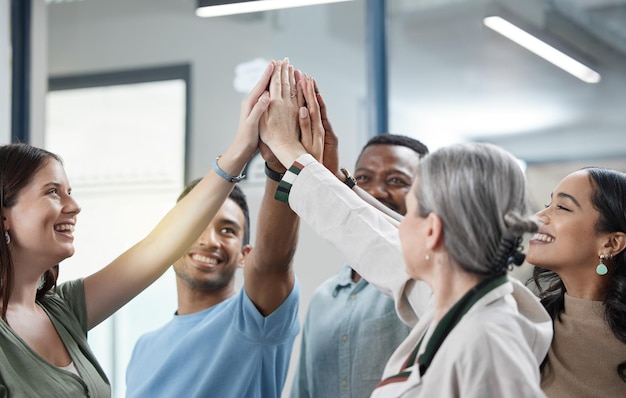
(491, 337)
(68, 301)
(69, 291)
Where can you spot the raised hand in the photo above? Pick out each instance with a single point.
(246, 140)
(311, 128)
(279, 128)
(331, 142)
(252, 109)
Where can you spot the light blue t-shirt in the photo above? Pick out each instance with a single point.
(228, 351)
(351, 330)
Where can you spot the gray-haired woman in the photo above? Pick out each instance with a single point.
(475, 332)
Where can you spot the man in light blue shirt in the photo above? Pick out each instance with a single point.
(221, 343)
(351, 329)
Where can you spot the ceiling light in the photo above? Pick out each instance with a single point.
(216, 8)
(542, 49)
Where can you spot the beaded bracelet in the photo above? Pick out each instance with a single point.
(224, 174)
(273, 175)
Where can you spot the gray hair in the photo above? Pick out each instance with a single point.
(479, 192)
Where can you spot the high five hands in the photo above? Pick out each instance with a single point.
(295, 121)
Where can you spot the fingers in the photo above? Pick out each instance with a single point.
(280, 125)
(259, 108)
(300, 88)
(276, 86)
(262, 84)
(297, 73)
(293, 90)
(285, 78)
(264, 81)
(322, 104)
(331, 143)
(328, 128)
(311, 99)
(316, 144)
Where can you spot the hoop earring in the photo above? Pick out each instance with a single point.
(601, 269)
(7, 237)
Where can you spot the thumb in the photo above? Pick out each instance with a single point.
(259, 107)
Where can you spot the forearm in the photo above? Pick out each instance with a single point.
(268, 274)
(134, 270)
(365, 236)
(182, 225)
(276, 233)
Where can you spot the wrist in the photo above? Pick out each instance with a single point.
(239, 152)
(288, 153)
(234, 178)
(274, 164)
(285, 184)
(347, 178)
(274, 175)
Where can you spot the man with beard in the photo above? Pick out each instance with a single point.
(221, 343)
(351, 328)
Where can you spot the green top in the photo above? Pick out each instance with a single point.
(23, 373)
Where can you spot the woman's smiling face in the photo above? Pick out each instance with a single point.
(567, 238)
(42, 221)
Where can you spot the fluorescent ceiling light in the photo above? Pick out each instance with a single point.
(542, 49)
(213, 8)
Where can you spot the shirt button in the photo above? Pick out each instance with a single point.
(353, 297)
(344, 338)
(344, 383)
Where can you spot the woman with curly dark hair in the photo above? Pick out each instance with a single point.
(581, 275)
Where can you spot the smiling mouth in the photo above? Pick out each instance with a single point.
(543, 238)
(66, 228)
(204, 259)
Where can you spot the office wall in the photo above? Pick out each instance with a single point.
(87, 37)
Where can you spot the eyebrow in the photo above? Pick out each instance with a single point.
(230, 222)
(386, 172)
(51, 184)
(568, 196)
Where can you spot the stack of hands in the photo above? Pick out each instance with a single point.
(284, 117)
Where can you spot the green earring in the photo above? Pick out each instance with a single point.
(601, 269)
